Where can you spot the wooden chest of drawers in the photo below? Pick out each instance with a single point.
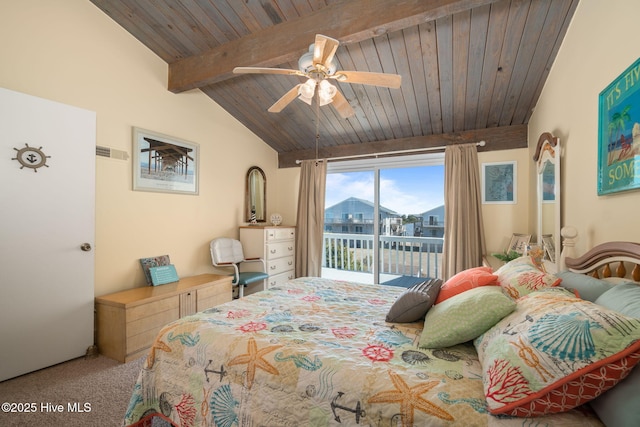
(276, 245)
(128, 321)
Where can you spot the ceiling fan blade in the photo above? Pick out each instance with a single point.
(263, 70)
(324, 50)
(285, 100)
(367, 78)
(341, 104)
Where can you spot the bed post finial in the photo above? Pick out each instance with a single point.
(569, 234)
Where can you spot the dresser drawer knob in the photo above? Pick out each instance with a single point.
(273, 267)
(273, 251)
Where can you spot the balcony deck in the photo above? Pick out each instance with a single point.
(367, 278)
(406, 260)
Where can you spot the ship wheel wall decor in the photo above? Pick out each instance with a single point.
(31, 157)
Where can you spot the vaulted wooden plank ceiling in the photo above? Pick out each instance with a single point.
(471, 69)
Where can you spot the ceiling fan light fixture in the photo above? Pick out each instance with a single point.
(307, 89)
(324, 100)
(326, 92)
(305, 99)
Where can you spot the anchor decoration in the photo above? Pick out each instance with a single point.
(221, 372)
(31, 157)
(357, 411)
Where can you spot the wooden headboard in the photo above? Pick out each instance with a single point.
(611, 259)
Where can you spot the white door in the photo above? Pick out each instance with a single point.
(47, 214)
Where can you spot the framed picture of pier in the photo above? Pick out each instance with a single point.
(164, 163)
(619, 133)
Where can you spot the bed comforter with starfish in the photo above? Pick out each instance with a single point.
(313, 352)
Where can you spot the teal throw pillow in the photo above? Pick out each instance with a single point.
(588, 288)
(618, 407)
(624, 298)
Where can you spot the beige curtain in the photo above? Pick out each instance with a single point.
(310, 221)
(464, 243)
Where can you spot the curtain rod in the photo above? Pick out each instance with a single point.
(385, 153)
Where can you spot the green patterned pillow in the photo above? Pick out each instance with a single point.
(465, 316)
(554, 353)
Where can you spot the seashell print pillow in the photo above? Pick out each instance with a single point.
(523, 276)
(554, 353)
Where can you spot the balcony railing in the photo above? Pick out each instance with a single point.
(399, 255)
(348, 221)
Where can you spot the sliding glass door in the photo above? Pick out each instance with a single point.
(350, 226)
(411, 224)
(384, 220)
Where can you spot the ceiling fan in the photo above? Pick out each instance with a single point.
(318, 67)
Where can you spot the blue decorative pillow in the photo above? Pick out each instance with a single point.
(624, 298)
(619, 406)
(588, 288)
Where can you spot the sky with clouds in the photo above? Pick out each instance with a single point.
(410, 190)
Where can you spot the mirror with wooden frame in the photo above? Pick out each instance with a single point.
(547, 158)
(256, 195)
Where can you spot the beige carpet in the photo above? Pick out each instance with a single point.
(99, 386)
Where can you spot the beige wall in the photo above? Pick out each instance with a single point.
(71, 52)
(502, 220)
(600, 44)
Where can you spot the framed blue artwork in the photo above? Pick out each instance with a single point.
(499, 182)
(619, 133)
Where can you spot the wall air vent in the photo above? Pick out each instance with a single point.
(111, 153)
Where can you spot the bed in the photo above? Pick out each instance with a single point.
(318, 352)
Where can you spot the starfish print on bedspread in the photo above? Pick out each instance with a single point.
(410, 399)
(254, 359)
(157, 345)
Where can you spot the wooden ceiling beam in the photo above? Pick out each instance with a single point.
(349, 21)
(497, 138)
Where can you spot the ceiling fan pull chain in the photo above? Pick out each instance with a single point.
(317, 123)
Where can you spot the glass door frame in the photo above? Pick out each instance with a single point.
(375, 165)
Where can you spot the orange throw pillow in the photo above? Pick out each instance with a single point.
(465, 280)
